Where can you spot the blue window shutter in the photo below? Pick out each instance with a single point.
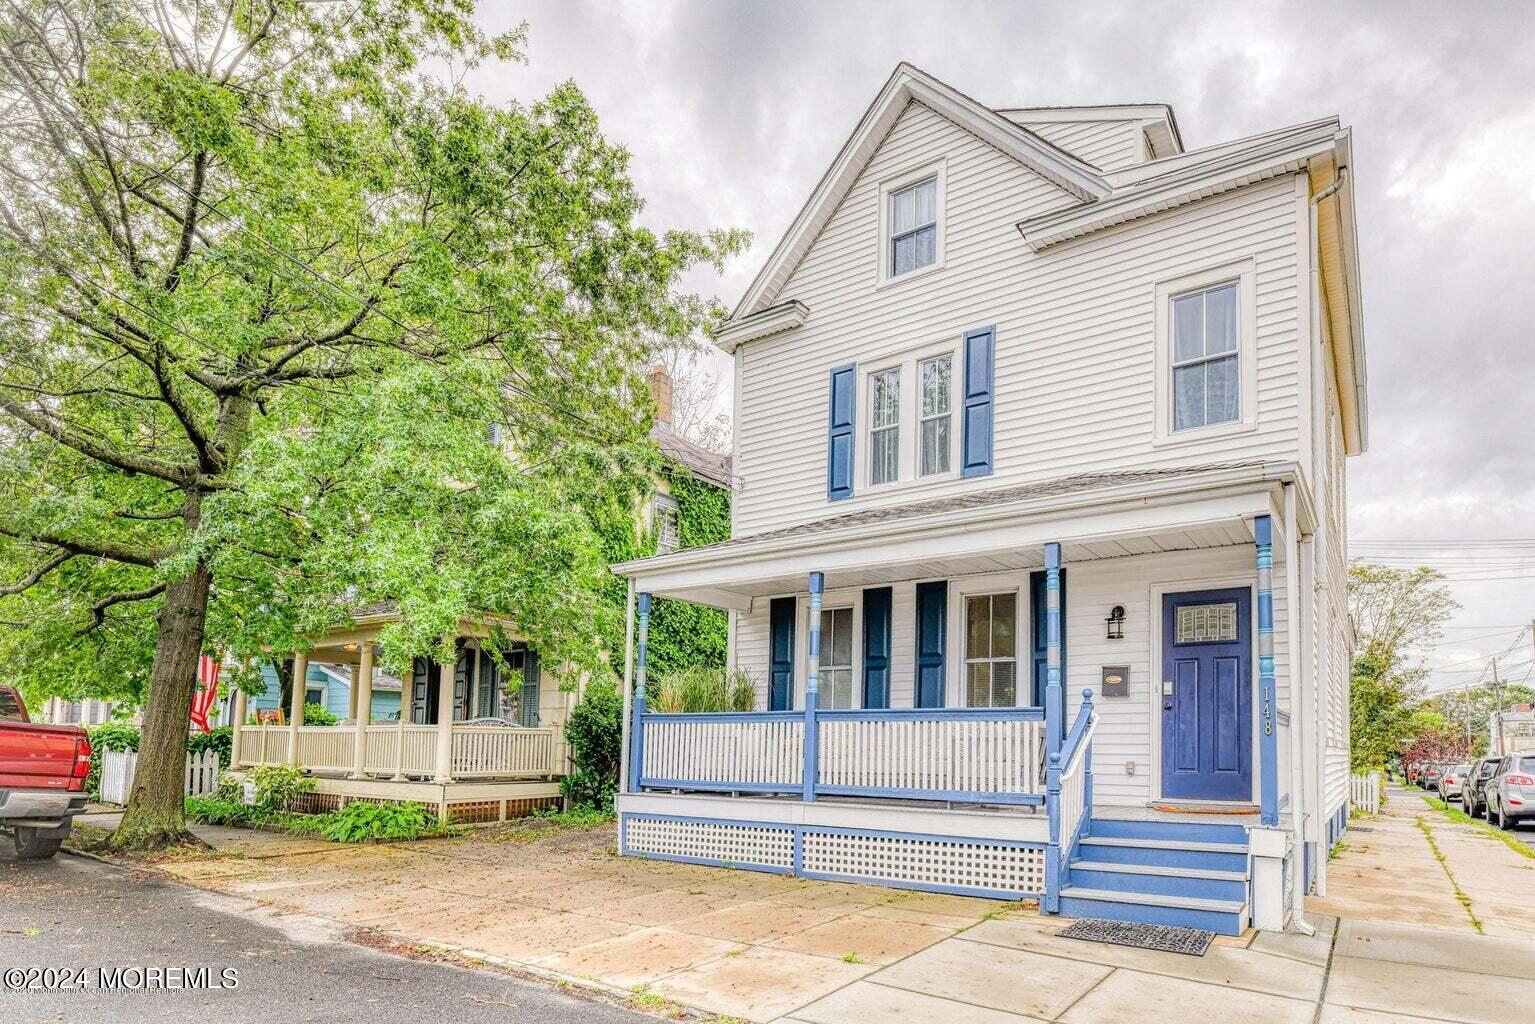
(1037, 634)
(932, 629)
(841, 413)
(876, 647)
(781, 654)
(980, 359)
(530, 681)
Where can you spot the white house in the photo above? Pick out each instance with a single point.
(1038, 549)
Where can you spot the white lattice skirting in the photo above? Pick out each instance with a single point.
(934, 863)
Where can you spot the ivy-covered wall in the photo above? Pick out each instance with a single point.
(682, 635)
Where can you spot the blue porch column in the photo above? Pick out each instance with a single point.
(1268, 742)
(1055, 696)
(637, 724)
(812, 684)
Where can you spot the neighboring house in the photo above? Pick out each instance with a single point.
(331, 687)
(476, 739)
(1034, 406)
(1511, 730)
(58, 711)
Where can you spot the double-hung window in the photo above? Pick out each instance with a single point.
(836, 682)
(914, 227)
(991, 650)
(1206, 382)
(885, 426)
(936, 377)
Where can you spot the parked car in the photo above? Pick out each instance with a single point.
(42, 778)
(1473, 795)
(1431, 773)
(1511, 792)
(1414, 773)
(1452, 780)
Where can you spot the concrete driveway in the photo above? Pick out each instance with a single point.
(1421, 938)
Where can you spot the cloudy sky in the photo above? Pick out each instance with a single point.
(734, 109)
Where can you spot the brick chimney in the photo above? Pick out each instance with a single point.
(661, 391)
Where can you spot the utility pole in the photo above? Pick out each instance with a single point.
(1497, 694)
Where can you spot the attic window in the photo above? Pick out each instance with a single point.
(664, 522)
(914, 227)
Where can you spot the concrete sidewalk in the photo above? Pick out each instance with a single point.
(756, 947)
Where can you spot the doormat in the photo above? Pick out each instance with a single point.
(1200, 809)
(1360, 828)
(1167, 939)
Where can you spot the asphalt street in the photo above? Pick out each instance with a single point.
(122, 925)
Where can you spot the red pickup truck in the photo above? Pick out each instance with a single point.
(42, 778)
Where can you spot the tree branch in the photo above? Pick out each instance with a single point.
(32, 578)
(99, 609)
(112, 551)
(127, 461)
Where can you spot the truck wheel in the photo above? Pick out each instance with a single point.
(39, 843)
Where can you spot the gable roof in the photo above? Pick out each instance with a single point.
(696, 459)
(1156, 120)
(906, 85)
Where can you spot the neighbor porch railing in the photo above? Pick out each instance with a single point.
(403, 750)
(980, 755)
(1069, 799)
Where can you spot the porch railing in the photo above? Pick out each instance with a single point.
(1069, 798)
(396, 749)
(982, 755)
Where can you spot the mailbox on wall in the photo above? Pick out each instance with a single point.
(1116, 681)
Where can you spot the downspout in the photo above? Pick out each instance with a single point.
(1322, 540)
(1292, 654)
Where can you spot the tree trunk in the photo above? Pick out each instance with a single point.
(155, 817)
(284, 667)
(156, 813)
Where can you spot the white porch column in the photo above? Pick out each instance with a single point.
(351, 694)
(237, 722)
(445, 723)
(362, 712)
(296, 702)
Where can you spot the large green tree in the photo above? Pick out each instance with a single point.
(264, 284)
(1397, 614)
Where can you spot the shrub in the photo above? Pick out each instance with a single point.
(702, 689)
(108, 736)
(319, 714)
(595, 734)
(279, 785)
(213, 810)
(218, 740)
(360, 820)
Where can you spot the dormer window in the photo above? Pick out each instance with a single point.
(914, 227)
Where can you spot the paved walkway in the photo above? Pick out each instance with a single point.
(761, 947)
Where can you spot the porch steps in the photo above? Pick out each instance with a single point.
(1160, 872)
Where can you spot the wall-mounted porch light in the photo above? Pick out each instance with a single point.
(1116, 622)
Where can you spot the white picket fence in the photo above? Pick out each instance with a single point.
(1364, 792)
(117, 767)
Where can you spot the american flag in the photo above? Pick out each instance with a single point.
(207, 691)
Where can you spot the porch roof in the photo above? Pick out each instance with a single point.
(1093, 515)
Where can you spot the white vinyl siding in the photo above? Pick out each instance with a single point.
(1107, 145)
(1075, 329)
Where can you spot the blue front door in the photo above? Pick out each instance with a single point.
(1207, 695)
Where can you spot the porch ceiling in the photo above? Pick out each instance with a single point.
(1183, 514)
